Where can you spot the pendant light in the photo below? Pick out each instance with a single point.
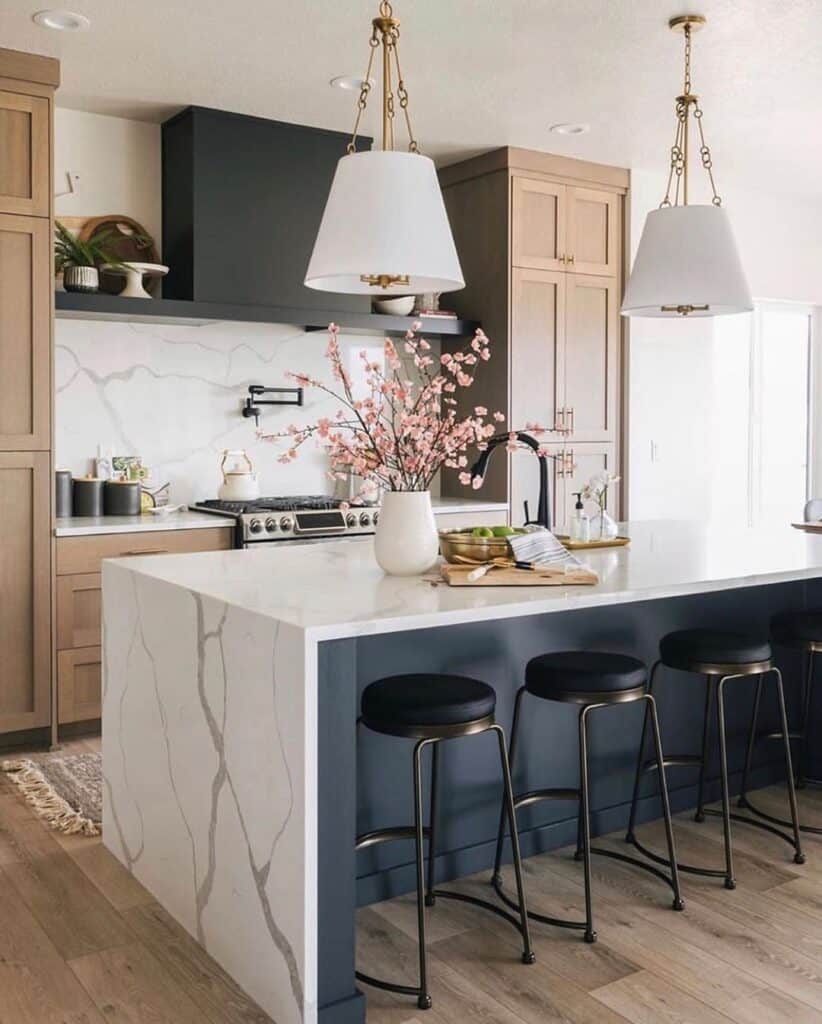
(687, 262)
(385, 230)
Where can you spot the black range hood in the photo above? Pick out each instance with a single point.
(242, 202)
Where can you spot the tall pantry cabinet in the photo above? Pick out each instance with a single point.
(540, 238)
(27, 84)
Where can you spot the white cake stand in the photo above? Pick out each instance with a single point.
(133, 273)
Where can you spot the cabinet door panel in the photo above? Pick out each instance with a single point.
(538, 224)
(79, 685)
(79, 611)
(591, 357)
(593, 232)
(25, 357)
(583, 462)
(537, 347)
(24, 167)
(25, 599)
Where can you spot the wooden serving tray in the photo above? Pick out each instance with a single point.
(578, 545)
(457, 576)
(808, 527)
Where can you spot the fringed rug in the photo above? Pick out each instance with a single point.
(65, 790)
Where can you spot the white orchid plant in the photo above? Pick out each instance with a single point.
(596, 489)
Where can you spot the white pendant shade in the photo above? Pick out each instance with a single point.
(687, 259)
(384, 216)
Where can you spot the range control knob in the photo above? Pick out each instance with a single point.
(255, 526)
(286, 524)
(351, 519)
(365, 519)
(376, 518)
(271, 525)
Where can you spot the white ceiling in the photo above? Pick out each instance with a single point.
(480, 73)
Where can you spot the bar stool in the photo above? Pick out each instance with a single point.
(593, 680)
(720, 657)
(432, 708)
(801, 631)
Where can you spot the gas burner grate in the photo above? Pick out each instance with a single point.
(300, 502)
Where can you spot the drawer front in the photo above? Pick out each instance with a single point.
(79, 611)
(85, 554)
(79, 685)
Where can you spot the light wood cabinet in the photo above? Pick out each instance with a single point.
(539, 216)
(25, 590)
(537, 347)
(592, 231)
(24, 154)
(25, 333)
(570, 469)
(79, 685)
(561, 333)
(79, 604)
(590, 357)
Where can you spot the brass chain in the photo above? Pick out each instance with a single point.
(390, 41)
(365, 89)
(402, 92)
(677, 167)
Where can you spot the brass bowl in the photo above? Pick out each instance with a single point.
(454, 543)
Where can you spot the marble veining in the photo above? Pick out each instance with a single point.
(173, 394)
(203, 747)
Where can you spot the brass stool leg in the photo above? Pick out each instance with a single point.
(430, 899)
(751, 743)
(799, 856)
(730, 882)
(585, 805)
(703, 768)
(423, 999)
(527, 953)
(495, 878)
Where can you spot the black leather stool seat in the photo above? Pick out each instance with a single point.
(688, 647)
(797, 628)
(560, 674)
(426, 699)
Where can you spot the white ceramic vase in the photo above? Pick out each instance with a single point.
(406, 542)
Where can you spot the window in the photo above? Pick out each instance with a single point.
(761, 365)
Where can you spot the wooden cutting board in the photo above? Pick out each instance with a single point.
(457, 576)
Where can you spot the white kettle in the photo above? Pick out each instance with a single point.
(240, 482)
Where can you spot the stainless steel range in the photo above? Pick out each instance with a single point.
(303, 518)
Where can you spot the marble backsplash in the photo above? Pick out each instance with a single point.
(173, 394)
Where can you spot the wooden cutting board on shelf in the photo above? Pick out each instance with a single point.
(457, 576)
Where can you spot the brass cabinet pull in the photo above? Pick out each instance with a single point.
(559, 420)
(570, 465)
(563, 258)
(571, 418)
(571, 259)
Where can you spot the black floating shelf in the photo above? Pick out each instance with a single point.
(99, 306)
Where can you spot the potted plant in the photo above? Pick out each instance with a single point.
(79, 260)
(396, 435)
(603, 526)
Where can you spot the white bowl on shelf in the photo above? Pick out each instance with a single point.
(397, 305)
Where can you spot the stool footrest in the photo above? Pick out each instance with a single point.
(537, 795)
(690, 869)
(389, 835)
(746, 804)
(673, 761)
(793, 734)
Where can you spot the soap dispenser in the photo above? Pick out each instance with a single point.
(580, 521)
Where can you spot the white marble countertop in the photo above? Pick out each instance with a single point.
(337, 590)
(81, 526)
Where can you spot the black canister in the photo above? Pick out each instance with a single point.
(62, 493)
(121, 498)
(87, 497)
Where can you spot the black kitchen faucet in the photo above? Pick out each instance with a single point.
(543, 503)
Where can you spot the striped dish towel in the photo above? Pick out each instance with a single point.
(541, 547)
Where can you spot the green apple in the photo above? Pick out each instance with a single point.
(482, 531)
(502, 531)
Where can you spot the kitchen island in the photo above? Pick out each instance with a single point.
(234, 783)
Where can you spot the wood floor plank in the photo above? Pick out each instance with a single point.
(36, 985)
(103, 870)
(644, 998)
(130, 986)
(192, 968)
(772, 1007)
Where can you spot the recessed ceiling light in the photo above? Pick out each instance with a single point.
(62, 21)
(351, 83)
(571, 128)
